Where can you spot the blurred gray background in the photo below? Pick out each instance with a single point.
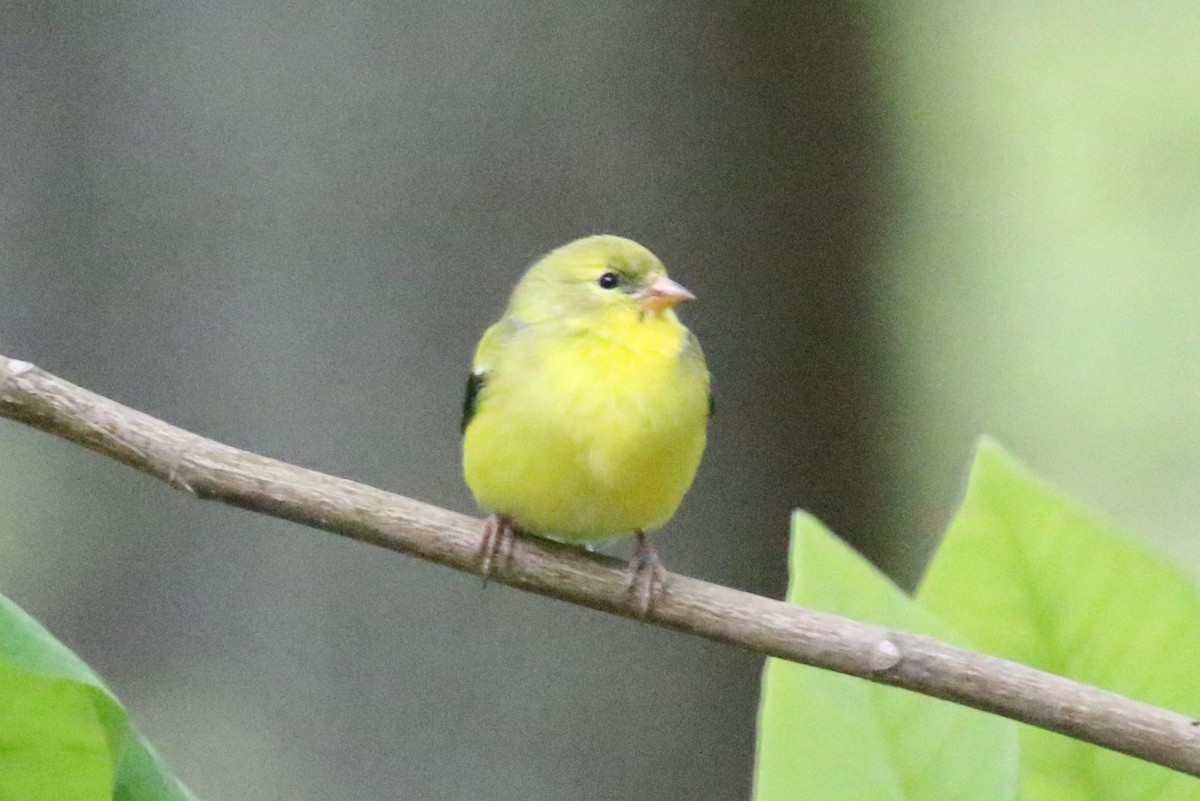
(284, 226)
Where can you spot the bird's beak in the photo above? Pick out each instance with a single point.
(663, 293)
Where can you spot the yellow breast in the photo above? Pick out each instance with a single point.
(590, 434)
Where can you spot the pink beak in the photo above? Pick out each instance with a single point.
(664, 293)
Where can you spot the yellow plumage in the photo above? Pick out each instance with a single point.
(588, 404)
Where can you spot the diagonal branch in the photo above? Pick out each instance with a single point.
(210, 470)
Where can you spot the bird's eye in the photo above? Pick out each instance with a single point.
(609, 281)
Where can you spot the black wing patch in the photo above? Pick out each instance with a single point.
(471, 402)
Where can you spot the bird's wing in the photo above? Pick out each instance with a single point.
(474, 384)
(491, 348)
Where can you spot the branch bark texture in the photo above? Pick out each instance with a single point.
(211, 470)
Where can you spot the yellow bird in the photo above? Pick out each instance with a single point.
(587, 406)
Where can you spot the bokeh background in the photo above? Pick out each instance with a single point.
(285, 225)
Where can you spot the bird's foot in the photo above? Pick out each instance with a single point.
(498, 544)
(647, 576)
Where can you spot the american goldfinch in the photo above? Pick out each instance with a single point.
(587, 405)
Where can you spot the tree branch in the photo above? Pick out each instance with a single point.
(210, 470)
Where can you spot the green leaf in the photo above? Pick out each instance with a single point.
(46, 725)
(1025, 574)
(63, 735)
(825, 736)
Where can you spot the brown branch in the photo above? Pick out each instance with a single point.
(208, 469)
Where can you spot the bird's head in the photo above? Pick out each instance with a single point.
(594, 277)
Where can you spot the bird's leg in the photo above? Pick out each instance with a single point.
(647, 576)
(498, 542)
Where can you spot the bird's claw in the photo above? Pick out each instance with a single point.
(498, 544)
(647, 576)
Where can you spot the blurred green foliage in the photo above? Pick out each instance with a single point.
(1041, 275)
(838, 738)
(1022, 573)
(63, 735)
(1027, 574)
